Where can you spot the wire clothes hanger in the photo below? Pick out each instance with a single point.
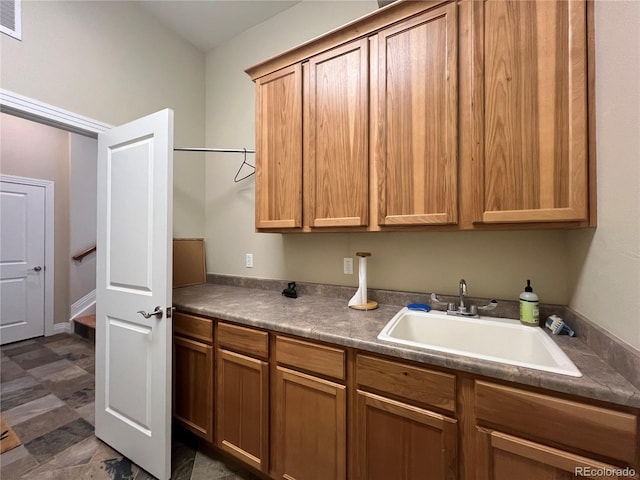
(244, 151)
(244, 162)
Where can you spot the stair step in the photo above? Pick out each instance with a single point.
(85, 327)
(87, 320)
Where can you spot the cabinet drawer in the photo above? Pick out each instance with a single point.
(311, 357)
(586, 427)
(198, 328)
(416, 384)
(244, 340)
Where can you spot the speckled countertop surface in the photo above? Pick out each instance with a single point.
(330, 320)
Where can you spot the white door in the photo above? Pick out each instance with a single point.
(134, 251)
(22, 262)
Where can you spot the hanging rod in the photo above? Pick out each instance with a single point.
(237, 177)
(216, 150)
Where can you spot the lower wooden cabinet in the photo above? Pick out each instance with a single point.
(241, 407)
(283, 404)
(534, 436)
(397, 434)
(556, 423)
(400, 441)
(310, 422)
(193, 386)
(242, 388)
(505, 457)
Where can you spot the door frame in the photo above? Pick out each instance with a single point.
(32, 109)
(40, 112)
(49, 271)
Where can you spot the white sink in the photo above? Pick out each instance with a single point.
(496, 339)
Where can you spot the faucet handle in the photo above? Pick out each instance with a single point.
(436, 301)
(489, 306)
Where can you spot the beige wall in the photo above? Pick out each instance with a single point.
(595, 273)
(83, 182)
(113, 62)
(32, 150)
(605, 263)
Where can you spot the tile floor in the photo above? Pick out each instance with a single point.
(47, 397)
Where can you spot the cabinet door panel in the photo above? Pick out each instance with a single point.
(336, 136)
(535, 111)
(416, 141)
(279, 149)
(504, 457)
(241, 408)
(403, 442)
(310, 422)
(193, 386)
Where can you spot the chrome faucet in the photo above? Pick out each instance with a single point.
(462, 289)
(461, 309)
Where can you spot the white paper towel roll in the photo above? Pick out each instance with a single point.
(360, 298)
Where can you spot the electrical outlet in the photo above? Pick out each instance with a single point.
(348, 266)
(248, 260)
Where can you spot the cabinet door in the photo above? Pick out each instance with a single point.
(403, 442)
(336, 136)
(533, 143)
(310, 423)
(279, 149)
(415, 119)
(242, 408)
(504, 457)
(193, 386)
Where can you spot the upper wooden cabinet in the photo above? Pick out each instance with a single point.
(279, 149)
(336, 133)
(432, 115)
(415, 115)
(528, 127)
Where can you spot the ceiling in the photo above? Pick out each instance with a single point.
(209, 23)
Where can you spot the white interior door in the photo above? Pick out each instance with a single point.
(22, 262)
(134, 251)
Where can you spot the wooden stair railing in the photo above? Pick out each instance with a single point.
(80, 256)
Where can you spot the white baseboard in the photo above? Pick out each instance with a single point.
(84, 306)
(64, 327)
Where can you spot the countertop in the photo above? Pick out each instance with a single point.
(331, 320)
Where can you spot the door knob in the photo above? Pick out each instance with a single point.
(37, 268)
(157, 313)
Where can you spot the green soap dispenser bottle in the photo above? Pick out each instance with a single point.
(529, 307)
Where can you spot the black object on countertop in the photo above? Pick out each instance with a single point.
(290, 291)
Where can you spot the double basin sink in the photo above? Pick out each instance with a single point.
(495, 339)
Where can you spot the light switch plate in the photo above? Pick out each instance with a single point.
(348, 266)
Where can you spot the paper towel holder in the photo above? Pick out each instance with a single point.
(357, 302)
